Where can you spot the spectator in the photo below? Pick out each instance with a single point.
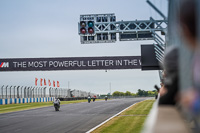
(168, 92)
(162, 90)
(191, 98)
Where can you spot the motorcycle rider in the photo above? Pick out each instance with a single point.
(89, 99)
(106, 98)
(94, 97)
(56, 104)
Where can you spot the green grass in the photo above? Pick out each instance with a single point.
(26, 106)
(130, 121)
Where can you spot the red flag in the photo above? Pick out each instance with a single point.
(58, 85)
(45, 82)
(49, 82)
(41, 81)
(54, 83)
(36, 79)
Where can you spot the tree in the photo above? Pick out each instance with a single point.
(128, 93)
(116, 93)
(140, 92)
(122, 94)
(145, 93)
(133, 94)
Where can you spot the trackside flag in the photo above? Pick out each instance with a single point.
(41, 81)
(45, 82)
(36, 79)
(54, 84)
(58, 85)
(49, 82)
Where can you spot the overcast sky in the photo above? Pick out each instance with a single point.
(49, 28)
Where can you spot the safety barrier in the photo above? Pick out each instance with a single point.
(9, 92)
(28, 94)
(25, 100)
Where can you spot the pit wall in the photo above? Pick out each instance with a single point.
(25, 100)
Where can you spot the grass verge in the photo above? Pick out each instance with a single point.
(130, 121)
(26, 106)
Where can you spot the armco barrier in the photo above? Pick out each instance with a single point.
(1, 101)
(25, 100)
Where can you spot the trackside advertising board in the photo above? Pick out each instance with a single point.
(70, 63)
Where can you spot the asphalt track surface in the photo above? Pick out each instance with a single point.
(72, 118)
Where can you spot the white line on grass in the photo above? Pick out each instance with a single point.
(109, 119)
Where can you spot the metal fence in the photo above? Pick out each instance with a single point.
(36, 92)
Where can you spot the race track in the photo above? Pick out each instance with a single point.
(72, 118)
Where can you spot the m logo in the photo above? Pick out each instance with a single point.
(4, 64)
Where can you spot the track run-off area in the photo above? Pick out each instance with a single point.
(72, 118)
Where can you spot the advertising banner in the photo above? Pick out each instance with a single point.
(70, 63)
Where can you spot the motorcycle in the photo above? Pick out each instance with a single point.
(89, 99)
(106, 98)
(93, 99)
(56, 106)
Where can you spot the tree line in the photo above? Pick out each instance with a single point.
(138, 93)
